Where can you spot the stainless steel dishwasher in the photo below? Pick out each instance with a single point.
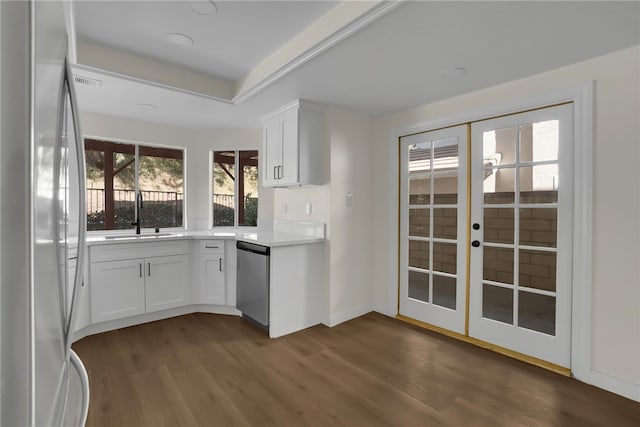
(253, 282)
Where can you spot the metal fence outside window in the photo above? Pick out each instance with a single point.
(161, 208)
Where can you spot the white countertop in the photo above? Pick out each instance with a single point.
(277, 238)
(264, 238)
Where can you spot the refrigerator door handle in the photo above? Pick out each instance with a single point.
(82, 223)
(84, 381)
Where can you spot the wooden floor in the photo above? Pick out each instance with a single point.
(214, 370)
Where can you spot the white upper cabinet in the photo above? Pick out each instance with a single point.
(293, 146)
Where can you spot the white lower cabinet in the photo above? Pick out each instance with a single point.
(210, 263)
(167, 282)
(128, 286)
(117, 289)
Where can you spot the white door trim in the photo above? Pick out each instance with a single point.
(582, 98)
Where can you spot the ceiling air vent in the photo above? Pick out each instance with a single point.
(87, 81)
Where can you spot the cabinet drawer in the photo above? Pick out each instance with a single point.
(211, 246)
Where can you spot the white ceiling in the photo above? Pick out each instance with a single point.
(396, 62)
(227, 43)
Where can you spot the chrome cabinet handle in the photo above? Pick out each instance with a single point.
(211, 246)
(220, 264)
(140, 264)
(279, 172)
(149, 268)
(275, 168)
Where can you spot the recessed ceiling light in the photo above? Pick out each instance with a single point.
(453, 72)
(180, 39)
(149, 107)
(203, 7)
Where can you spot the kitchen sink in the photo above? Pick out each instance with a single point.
(137, 236)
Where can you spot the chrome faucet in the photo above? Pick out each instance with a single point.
(138, 209)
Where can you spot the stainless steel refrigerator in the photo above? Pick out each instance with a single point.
(42, 220)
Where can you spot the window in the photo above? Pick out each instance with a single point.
(116, 172)
(235, 201)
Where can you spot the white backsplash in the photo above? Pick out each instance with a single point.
(306, 228)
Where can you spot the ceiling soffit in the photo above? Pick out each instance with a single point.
(338, 24)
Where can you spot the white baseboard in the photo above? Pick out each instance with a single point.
(614, 385)
(111, 325)
(217, 309)
(343, 316)
(383, 309)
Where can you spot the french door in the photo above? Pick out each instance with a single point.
(434, 202)
(515, 234)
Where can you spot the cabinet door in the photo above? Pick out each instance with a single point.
(117, 289)
(167, 282)
(213, 286)
(271, 149)
(288, 172)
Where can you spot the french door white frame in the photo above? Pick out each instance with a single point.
(552, 348)
(429, 312)
(582, 99)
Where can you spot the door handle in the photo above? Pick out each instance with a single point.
(274, 172)
(279, 172)
(475, 243)
(149, 268)
(84, 381)
(78, 280)
(476, 226)
(140, 264)
(211, 247)
(220, 263)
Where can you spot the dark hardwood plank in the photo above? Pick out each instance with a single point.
(214, 370)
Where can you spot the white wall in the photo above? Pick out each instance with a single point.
(351, 227)
(348, 250)
(197, 145)
(616, 298)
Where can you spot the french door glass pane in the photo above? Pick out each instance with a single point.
(499, 146)
(419, 222)
(539, 227)
(539, 184)
(498, 225)
(445, 223)
(419, 190)
(445, 257)
(497, 303)
(537, 270)
(539, 141)
(419, 285)
(537, 312)
(420, 157)
(445, 190)
(499, 186)
(444, 291)
(419, 254)
(445, 154)
(498, 264)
